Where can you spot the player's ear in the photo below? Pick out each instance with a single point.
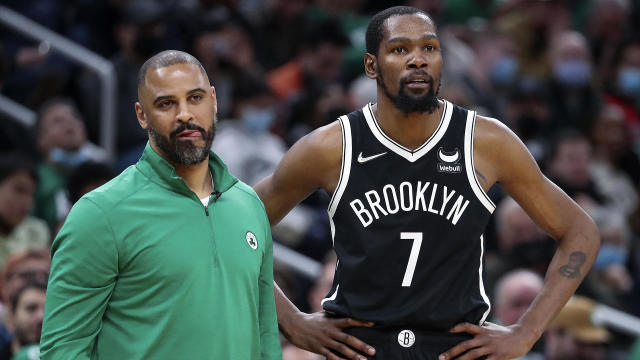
(370, 66)
(142, 118)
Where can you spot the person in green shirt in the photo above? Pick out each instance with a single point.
(173, 258)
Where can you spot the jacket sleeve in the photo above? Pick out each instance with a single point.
(269, 334)
(84, 269)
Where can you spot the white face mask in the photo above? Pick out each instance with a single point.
(258, 120)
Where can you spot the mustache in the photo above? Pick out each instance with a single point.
(186, 126)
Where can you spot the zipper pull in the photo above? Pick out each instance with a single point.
(206, 210)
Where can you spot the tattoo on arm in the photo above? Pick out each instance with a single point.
(572, 269)
(481, 177)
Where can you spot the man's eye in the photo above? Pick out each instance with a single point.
(398, 50)
(196, 97)
(165, 104)
(430, 47)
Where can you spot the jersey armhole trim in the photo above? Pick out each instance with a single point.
(481, 284)
(345, 167)
(470, 167)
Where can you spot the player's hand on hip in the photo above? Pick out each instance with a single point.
(492, 341)
(323, 335)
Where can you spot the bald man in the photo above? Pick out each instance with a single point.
(156, 264)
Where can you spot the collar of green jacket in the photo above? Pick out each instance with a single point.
(164, 174)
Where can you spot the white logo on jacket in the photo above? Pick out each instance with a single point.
(252, 240)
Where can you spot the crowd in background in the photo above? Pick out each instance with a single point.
(564, 75)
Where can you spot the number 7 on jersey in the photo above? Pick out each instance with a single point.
(413, 257)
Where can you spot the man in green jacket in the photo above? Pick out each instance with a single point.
(173, 258)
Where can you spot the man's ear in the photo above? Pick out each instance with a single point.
(142, 118)
(370, 66)
(214, 98)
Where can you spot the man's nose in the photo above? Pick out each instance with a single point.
(184, 112)
(417, 60)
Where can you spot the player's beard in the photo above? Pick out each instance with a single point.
(184, 152)
(407, 103)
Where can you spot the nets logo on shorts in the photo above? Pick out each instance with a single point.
(406, 338)
(252, 240)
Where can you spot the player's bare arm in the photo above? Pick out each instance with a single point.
(313, 162)
(501, 157)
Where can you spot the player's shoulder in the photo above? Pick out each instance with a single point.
(323, 140)
(491, 132)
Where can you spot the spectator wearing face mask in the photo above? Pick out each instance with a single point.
(572, 97)
(250, 150)
(624, 88)
(62, 141)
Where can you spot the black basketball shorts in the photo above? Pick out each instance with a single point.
(406, 343)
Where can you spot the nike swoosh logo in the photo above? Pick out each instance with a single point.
(449, 158)
(365, 159)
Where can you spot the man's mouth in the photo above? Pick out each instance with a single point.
(418, 81)
(189, 134)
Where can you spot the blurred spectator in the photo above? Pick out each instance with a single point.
(26, 312)
(572, 335)
(62, 141)
(521, 244)
(615, 168)
(226, 52)
(354, 23)
(87, 177)
(532, 24)
(362, 91)
(572, 97)
(461, 11)
(515, 291)
(607, 26)
(314, 108)
(18, 231)
(610, 267)
(21, 267)
(494, 71)
(567, 165)
(140, 32)
(278, 34)
(254, 114)
(317, 62)
(624, 88)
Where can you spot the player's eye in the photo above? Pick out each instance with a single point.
(165, 104)
(430, 48)
(196, 97)
(398, 50)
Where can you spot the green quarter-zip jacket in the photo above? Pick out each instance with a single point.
(142, 270)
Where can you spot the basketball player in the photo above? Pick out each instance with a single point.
(408, 178)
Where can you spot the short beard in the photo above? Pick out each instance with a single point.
(184, 152)
(410, 104)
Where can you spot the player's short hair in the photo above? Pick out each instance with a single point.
(376, 25)
(164, 59)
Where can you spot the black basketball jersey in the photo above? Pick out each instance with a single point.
(407, 226)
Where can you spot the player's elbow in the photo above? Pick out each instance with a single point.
(586, 235)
